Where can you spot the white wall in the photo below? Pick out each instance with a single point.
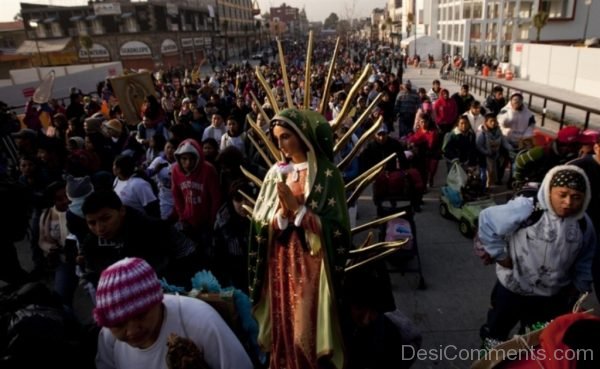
(571, 68)
(425, 45)
(85, 77)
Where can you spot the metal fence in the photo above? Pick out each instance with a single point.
(485, 86)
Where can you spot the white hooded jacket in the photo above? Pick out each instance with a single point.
(548, 255)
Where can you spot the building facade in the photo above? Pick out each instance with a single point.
(490, 27)
(288, 21)
(12, 35)
(569, 21)
(143, 34)
(239, 29)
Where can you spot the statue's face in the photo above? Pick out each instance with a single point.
(287, 141)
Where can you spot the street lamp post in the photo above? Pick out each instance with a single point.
(588, 3)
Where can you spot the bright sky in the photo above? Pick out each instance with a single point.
(316, 10)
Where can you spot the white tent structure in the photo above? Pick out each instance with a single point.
(424, 45)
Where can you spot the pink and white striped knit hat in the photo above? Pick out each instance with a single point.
(126, 289)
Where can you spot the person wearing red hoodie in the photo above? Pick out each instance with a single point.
(196, 193)
(445, 112)
(571, 341)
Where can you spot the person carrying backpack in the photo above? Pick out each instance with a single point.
(543, 249)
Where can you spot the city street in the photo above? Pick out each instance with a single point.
(450, 311)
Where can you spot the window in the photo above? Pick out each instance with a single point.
(82, 28)
(509, 10)
(508, 32)
(475, 32)
(467, 10)
(492, 11)
(130, 25)
(558, 8)
(56, 30)
(477, 10)
(524, 33)
(97, 28)
(526, 10)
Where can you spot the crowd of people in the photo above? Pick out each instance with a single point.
(119, 204)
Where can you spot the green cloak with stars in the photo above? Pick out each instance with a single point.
(324, 197)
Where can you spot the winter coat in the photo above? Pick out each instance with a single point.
(489, 142)
(516, 124)
(196, 194)
(548, 255)
(445, 111)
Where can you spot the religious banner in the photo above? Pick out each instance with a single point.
(131, 90)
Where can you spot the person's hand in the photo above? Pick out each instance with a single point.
(486, 258)
(286, 198)
(160, 166)
(506, 263)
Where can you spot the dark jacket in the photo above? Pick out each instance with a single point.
(493, 106)
(148, 238)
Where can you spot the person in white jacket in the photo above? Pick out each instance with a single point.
(137, 320)
(516, 121)
(543, 251)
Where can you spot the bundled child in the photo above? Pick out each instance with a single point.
(490, 141)
(459, 144)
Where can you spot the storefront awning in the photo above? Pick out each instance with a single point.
(126, 15)
(45, 46)
(50, 20)
(75, 18)
(90, 17)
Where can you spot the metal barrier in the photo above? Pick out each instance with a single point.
(61, 100)
(485, 86)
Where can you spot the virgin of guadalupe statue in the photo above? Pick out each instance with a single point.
(300, 237)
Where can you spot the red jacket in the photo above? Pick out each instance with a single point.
(429, 138)
(196, 194)
(445, 110)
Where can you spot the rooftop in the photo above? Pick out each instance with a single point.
(11, 26)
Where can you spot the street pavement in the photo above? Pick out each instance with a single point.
(450, 311)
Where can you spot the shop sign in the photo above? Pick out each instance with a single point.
(135, 48)
(168, 46)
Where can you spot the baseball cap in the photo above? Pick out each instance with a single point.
(569, 134)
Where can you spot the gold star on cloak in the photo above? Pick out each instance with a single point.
(337, 233)
(331, 201)
(260, 239)
(318, 188)
(328, 173)
(304, 126)
(313, 204)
